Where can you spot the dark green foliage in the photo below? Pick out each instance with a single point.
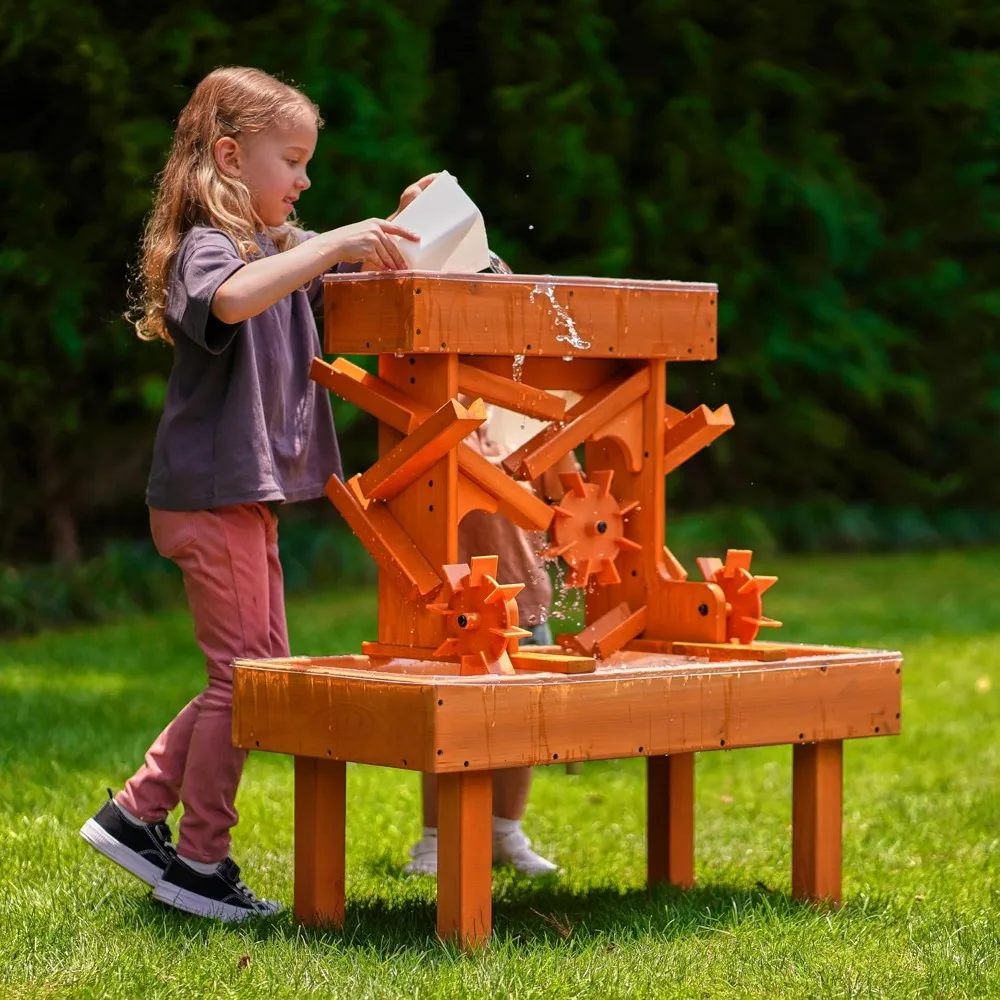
(833, 167)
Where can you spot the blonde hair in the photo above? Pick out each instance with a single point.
(193, 191)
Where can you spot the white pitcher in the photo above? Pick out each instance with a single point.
(451, 230)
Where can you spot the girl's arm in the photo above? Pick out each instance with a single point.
(256, 287)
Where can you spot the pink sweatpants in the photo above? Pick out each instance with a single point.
(234, 584)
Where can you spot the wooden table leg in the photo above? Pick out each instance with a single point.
(670, 820)
(465, 857)
(817, 794)
(320, 801)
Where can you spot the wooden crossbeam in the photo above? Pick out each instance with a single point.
(589, 415)
(547, 373)
(686, 436)
(370, 393)
(509, 394)
(517, 504)
(420, 449)
(381, 534)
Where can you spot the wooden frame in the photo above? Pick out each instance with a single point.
(423, 716)
(660, 670)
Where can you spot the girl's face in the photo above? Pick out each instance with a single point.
(272, 164)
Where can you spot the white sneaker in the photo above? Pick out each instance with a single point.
(424, 854)
(514, 849)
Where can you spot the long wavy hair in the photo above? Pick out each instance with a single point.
(231, 101)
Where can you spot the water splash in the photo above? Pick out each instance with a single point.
(567, 602)
(518, 369)
(562, 318)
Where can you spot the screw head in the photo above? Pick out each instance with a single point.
(702, 609)
(462, 621)
(602, 526)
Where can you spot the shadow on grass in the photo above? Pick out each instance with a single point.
(530, 914)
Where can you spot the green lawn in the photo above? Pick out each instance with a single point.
(921, 832)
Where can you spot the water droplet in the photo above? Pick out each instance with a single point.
(531, 227)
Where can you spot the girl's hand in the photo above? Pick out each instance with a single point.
(411, 192)
(369, 242)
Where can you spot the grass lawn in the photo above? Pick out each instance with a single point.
(921, 913)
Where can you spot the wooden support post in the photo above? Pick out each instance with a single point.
(670, 820)
(465, 857)
(320, 802)
(817, 794)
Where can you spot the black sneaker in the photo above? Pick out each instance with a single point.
(144, 849)
(221, 894)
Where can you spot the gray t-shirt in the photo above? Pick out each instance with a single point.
(242, 421)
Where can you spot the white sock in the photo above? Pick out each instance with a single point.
(430, 831)
(134, 820)
(501, 826)
(200, 866)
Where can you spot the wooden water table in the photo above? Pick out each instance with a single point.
(664, 667)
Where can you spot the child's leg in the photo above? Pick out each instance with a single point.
(511, 787)
(229, 561)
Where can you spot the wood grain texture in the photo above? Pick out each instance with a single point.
(465, 857)
(670, 820)
(817, 820)
(320, 812)
(634, 704)
(420, 312)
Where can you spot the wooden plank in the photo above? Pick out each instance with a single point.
(697, 430)
(369, 393)
(427, 509)
(618, 711)
(362, 317)
(386, 541)
(585, 417)
(641, 571)
(373, 313)
(717, 651)
(547, 373)
(400, 651)
(817, 794)
(335, 715)
(509, 394)
(518, 505)
(320, 805)
(421, 449)
(597, 716)
(465, 857)
(535, 661)
(670, 820)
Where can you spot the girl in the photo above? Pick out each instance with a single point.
(228, 279)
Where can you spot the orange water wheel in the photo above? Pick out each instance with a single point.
(588, 530)
(482, 617)
(743, 590)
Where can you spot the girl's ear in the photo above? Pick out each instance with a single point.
(227, 156)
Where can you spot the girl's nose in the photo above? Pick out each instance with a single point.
(304, 183)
